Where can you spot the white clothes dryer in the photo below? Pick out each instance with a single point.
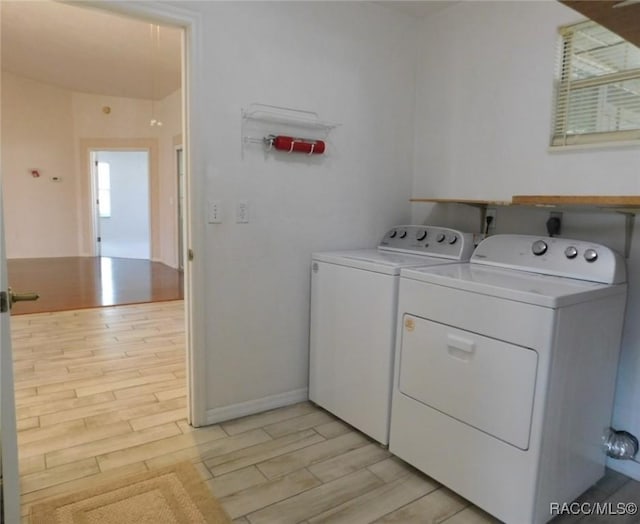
(506, 370)
(353, 318)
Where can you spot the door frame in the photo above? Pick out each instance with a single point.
(95, 206)
(180, 198)
(89, 190)
(193, 123)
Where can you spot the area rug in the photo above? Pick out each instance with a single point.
(172, 495)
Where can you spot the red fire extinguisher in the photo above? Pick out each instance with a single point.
(296, 145)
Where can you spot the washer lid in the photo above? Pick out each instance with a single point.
(510, 284)
(387, 262)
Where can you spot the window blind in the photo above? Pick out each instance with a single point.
(598, 87)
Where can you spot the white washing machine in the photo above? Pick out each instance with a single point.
(506, 369)
(353, 318)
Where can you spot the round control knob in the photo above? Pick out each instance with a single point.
(571, 252)
(591, 255)
(453, 239)
(539, 247)
(440, 237)
(421, 235)
(403, 234)
(393, 234)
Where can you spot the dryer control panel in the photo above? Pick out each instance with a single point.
(552, 256)
(429, 240)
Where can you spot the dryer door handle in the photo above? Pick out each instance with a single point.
(460, 348)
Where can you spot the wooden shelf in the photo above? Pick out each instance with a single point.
(469, 202)
(623, 203)
(600, 201)
(629, 205)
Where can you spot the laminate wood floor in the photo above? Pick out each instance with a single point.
(100, 393)
(66, 283)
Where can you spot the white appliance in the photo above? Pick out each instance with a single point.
(505, 371)
(353, 318)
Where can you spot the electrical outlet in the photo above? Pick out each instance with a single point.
(214, 212)
(242, 212)
(489, 219)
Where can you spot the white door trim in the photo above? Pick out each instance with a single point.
(193, 123)
(178, 150)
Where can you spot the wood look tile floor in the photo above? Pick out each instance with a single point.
(100, 393)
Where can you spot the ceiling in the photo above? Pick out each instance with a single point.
(89, 50)
(93, 51)
(621, 17)
(418, 9)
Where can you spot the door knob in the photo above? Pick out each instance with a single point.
(8, 298)
(22, 297)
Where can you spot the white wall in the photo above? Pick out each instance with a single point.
(353, 63)
(128, 119)
(42, 127)
(126, 233)
(483, 121)
(37, 132)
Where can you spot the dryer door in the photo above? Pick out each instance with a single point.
(480, 381)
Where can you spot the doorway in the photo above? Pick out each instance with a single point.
(191, 99)
(121, 207)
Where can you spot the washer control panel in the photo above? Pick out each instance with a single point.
(429, 240)
(552, 256)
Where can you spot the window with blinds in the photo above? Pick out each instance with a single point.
(598, 87)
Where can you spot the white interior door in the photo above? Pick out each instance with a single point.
(8, 439)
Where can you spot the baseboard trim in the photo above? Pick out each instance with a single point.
(630, 468)
(242, 409)
(164, 262)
